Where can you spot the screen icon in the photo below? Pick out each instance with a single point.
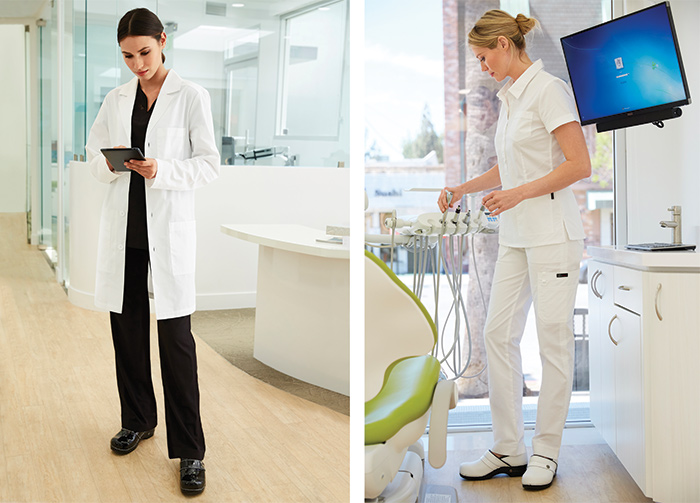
(618, 63)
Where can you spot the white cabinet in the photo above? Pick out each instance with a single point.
(602, 366)
(644, 312)
(617, 401)
(625, 329)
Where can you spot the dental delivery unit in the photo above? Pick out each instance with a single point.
(410, 368)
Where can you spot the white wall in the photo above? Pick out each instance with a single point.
(226, 274)
(226, 266)
(13, 127)
(663, 165)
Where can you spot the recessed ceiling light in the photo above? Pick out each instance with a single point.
(237, 5)
(324, 8)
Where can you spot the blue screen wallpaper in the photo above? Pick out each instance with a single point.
(625, 65)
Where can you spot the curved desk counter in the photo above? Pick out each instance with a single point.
(302, 306)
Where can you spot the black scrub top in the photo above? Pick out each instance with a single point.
(136, 226)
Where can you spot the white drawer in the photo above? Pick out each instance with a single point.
(627, 288)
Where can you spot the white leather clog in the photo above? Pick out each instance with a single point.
(489, 465)
(540, 473)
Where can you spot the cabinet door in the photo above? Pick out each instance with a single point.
(625, 329)
(671, 338)
(602, 366)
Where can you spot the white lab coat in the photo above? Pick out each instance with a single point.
(180, 136)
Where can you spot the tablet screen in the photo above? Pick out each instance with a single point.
(118, 156)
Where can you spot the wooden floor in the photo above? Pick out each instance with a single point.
(587, 473)
(59, 408)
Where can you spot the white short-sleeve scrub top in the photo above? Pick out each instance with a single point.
(531, 108)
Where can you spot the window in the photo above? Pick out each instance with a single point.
(313, 64)
(241, 68)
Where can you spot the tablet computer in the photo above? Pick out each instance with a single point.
(118, 156)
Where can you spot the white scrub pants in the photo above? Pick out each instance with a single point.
(546, 276)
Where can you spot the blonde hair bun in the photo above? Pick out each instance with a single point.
(525, 23)
(498, 23)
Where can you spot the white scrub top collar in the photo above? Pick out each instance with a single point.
(516, 88)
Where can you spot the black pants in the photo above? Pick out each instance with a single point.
(178, 361)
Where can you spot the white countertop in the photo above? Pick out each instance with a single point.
(294, 238)
(667, 261)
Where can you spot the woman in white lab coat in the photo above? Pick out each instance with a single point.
(541, 152)
(148, 224)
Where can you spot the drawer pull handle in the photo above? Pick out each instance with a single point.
(656, 303)
(594, 280)
(609, 328)
(624, 288)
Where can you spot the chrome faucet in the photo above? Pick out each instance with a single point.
(260, 153)
(675, 224)
(289, 159)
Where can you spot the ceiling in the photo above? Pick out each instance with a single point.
(30, 8)
(20, 8)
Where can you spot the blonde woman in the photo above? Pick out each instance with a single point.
(541, 152)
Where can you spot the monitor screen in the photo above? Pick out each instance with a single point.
(630, 65)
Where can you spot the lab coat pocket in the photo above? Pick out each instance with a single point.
(556, 295)
(183, 247)
(172, 142)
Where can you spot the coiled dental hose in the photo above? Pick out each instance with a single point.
(436, 285)
(450, 356)
(458, 305)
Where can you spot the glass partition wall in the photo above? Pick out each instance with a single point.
(48, 109)
(276, 71)
(240, 54)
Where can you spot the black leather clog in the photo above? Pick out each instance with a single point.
(192, 478)
(127, 440)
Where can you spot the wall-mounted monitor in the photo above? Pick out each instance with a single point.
(628, 71)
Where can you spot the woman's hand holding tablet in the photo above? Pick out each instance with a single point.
(118, 156)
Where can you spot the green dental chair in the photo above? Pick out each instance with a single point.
(403, 388)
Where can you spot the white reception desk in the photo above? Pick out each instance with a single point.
(302, 307)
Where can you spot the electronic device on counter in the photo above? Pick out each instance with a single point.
(628, 71)
(118, 156)
(660, 247)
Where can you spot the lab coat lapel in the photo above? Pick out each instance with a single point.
(127, 95)
(171, 85)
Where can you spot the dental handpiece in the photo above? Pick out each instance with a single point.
(455, 220)
(395, 223)
(448, 195)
